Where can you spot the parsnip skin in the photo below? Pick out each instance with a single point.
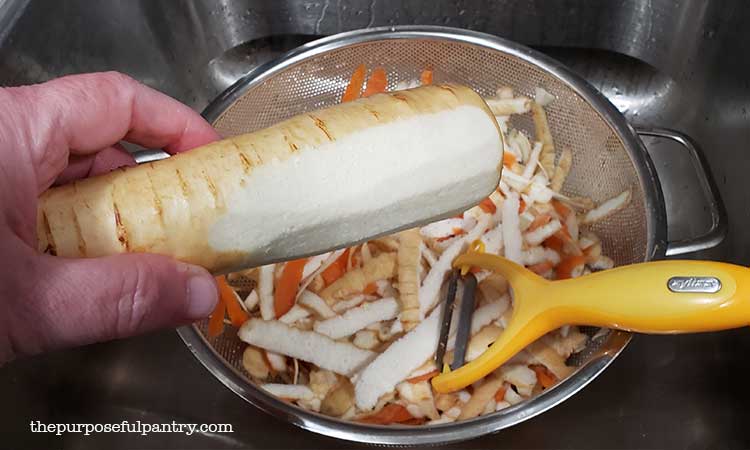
(381, 267)
(408, 279)
(169, 206)
(543, 135)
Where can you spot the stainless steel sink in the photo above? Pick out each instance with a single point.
(662, 63)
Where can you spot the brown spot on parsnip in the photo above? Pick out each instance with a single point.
(122, 233)
(51, 247)
(79, 235)
(157, 202)
(211, 188)
(291, 144)
(183, 185)
(322, 126)
(246, 165)
(373, 113)
(449, 89)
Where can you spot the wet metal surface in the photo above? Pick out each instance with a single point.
(671, 64)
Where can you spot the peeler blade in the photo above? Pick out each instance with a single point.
(447, 315)
(463, 330)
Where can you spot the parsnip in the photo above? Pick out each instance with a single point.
(508, 106)
(386, 243)
(408, 280)
(265, 292)
(479, 343)
(251, 301)
(543, 134)
(339, 399)
(358, 318)
(444, 402)
(257, 198)
(288, 391)
(541, 353)
(607, 208)
(393, 365)
(274, 336)
(481, 396)
(562, 169)
(366, 253)
(316, 284)
(520, 376)
(542, 96)
(573, 342)
(366, 339)
(314, 281)
(493, 287)
(255, 363)
(316, 304)
(531, 164)
(380, 267)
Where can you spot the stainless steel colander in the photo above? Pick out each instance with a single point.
(608, 158)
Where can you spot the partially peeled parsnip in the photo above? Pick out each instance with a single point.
(314, 182)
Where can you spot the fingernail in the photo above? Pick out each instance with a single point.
(202, 296)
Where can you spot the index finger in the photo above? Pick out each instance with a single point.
(82, 114)
(96, 110)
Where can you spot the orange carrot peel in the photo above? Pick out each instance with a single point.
(488, 206)
(561, 208)
(500, 394)
(216, 322)
(426, 76)
(568, 265)
(370, 289)
(337, 269)
(541, 268)
(539, 221)
(237, 315)
(377, 82)
(423, 377)
(391, 413)
(546, 378)
(285, 287)
(555, 242)
(355, 84)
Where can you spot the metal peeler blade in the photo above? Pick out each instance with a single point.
(463, 329)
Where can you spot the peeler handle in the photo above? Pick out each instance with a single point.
(671, 296)
(658, 297)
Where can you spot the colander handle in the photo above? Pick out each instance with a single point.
(718, 229)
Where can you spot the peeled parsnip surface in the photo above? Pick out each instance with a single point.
(311, 183)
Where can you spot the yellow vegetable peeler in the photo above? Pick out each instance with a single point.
(660, 297)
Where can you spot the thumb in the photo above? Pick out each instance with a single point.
(80, 301)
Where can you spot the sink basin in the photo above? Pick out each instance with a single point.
(662, 63)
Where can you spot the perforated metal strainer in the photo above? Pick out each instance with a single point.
(608, 159)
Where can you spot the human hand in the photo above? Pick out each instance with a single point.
(60, 131)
